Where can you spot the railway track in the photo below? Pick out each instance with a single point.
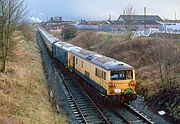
(131, 116)
(83, 107)
(142, 117)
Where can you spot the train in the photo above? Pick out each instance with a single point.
(112, 79)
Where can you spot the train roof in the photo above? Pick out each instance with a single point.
(102, 61)
(49, 37)
(60, 44)
(110, 64)
(67, 46)
(85, 54)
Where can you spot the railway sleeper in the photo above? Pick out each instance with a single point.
(74, 107)
(75, 110)
(93, 118)
(90, 114)
(77, 115)
(84, 103)
(79, 96)
(96, 121)
(86, 106)
(86, 109)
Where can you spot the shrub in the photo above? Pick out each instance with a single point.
(68, 33)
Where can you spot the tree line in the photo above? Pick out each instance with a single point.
(11, 14)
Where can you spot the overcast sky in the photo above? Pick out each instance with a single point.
(99, 9)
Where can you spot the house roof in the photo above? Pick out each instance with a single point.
(113, 22)
(141, 17)
(148, 22)
(136, 22)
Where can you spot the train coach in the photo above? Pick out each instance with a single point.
(112, 79)
(61, 51)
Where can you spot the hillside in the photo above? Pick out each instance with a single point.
(157, 64)
(24, 96)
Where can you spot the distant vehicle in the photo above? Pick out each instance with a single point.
(110, 78)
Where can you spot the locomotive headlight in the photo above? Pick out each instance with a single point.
(116, 84)
(111, 84)
(117, 90)
(132, 83)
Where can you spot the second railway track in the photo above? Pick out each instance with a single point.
(131, 116)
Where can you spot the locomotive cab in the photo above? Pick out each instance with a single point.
(122, 84)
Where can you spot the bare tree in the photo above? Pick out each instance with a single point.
(167, 58)
(129, 23)
(11, 13)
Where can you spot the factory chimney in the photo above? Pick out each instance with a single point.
(109, 18)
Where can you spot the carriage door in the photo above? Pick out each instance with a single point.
(73, 61)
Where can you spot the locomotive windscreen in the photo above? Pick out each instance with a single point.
(122, 75)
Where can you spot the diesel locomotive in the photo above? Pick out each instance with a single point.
(112, 79)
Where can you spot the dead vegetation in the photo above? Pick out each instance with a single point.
(157, 63)
(23, 90)
(11, 14)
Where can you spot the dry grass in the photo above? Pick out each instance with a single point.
(23, 90)
(96, 41)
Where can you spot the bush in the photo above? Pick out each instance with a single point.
(68, 33)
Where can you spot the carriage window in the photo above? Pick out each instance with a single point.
(65, 54)
(104, 75)
(82, 64)
(98, 73)
(76, 60)
(121, 75)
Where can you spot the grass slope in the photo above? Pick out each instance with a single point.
(23, 90)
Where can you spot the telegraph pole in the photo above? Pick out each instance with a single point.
(144, 20)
